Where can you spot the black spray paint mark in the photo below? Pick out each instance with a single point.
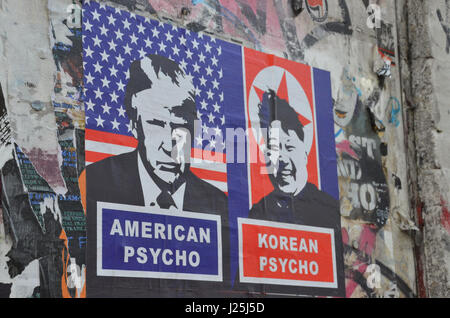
(445, 24)
(383, 149)
(358, 278)
(5, 290)
(130, 4)
(323, 30)
(361, 280)
(317, 9)
(386, 41)
(397, 182)
(5, 129)
(258, 19)
(80, 153)
(393, 277)
(289, 32)
(366, 3)
(214, 11)
(297, 7)
(343, 27)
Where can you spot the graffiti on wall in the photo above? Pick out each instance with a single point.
(49, 226)
(70, 122)
(270, 24)
(364, 191)
(317, 9)
(445, 23)
(265, 25)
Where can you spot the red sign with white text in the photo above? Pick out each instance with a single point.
(286, 254)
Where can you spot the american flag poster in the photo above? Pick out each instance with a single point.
(210, 167)
(112, 40)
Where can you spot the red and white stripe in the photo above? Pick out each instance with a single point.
(207, 165)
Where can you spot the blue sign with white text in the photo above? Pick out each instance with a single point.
(142, 244)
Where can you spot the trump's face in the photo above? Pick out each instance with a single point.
(162, 128)
(288, 158)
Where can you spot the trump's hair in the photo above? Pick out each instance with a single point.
(140, 81)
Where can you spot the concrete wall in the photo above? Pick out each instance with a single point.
(43, 238)
(426, 56)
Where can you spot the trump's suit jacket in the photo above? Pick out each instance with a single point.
(116, 180)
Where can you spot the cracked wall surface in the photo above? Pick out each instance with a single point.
(427, 57)
(42, 240)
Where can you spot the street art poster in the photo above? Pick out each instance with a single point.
(210, 167)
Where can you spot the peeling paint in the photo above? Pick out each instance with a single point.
(41, 167)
